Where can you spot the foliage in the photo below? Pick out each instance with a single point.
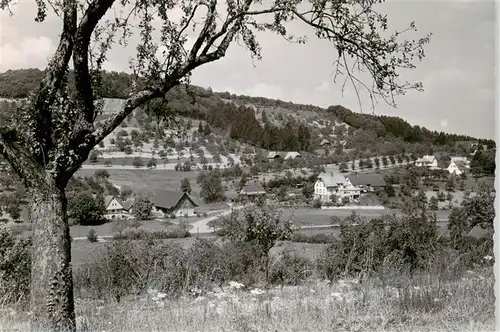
(137, 162)
(142, 208)
(15, 267)
(86, 209)
(185, 186)
(92, 235)
(211, 186)
(13, 208)
(261, 227)
(365, 247)
(151, 163)
(139, 234)
(433, 203)
(477, 210)
(483, 163)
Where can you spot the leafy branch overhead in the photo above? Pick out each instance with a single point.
(59, 127)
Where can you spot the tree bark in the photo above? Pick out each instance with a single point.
(52, 301)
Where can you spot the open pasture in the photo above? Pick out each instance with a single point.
(147, 181)
(310, 216)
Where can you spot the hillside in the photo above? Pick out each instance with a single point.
(267, 123)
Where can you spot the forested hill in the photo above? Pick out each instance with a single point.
(203, 103)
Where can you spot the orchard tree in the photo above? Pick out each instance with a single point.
(186, 186)
(142, 208)
(262, 227)
(53, 132)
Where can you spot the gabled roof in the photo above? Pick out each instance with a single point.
(168, 199)
(479, 232)
(253, 189)
(332, 179)
(374, 180)
(444, 163)
(127, 204)
(461, 165)
(426, 159)
(464, 159)
(276, 154)
(324, 141)
(292, 155)
(108, 199)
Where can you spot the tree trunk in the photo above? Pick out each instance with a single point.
(52, 302)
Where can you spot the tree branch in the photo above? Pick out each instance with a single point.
(96, 10)
(19, 159)
(91, 140)
(55, 77)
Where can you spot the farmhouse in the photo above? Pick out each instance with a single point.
(367, 182)
(252, 191)
(274, 155)
(292, 155)
(168, 202)
(283, 155)
(115, 209)
(457, 167)
(329, 184)
(325, 143)
(427, 161)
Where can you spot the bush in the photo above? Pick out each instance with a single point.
(291, 269)
(131, 267)
(315, 238)
(92, 235)
(15, 267)
(139, 234)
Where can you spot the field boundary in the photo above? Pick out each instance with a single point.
(375, 207)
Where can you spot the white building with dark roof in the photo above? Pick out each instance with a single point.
(334, 184)
(427, 161)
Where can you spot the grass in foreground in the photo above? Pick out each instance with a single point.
(423, 303)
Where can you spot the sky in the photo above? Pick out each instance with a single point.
(458, 72)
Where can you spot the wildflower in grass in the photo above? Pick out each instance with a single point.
(195, 291)
(220, 295)
(199, 299)
(488, 258)
(312, 291)
(257, 291)
(336, 296)
(235, 285)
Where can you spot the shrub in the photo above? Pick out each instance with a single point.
(139, 234)
(15, 267)
(131, 267)
(290, 268)
(92, 235)
(315, 238)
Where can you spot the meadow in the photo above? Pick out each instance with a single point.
(313, 216)
(147, 181)
(425, 302)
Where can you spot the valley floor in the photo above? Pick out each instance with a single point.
(423, 303)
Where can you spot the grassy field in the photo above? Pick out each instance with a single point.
(85, 252)
(425, 302)
(147, 181)
(111, 228)
(310, 216)
(129, 161)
